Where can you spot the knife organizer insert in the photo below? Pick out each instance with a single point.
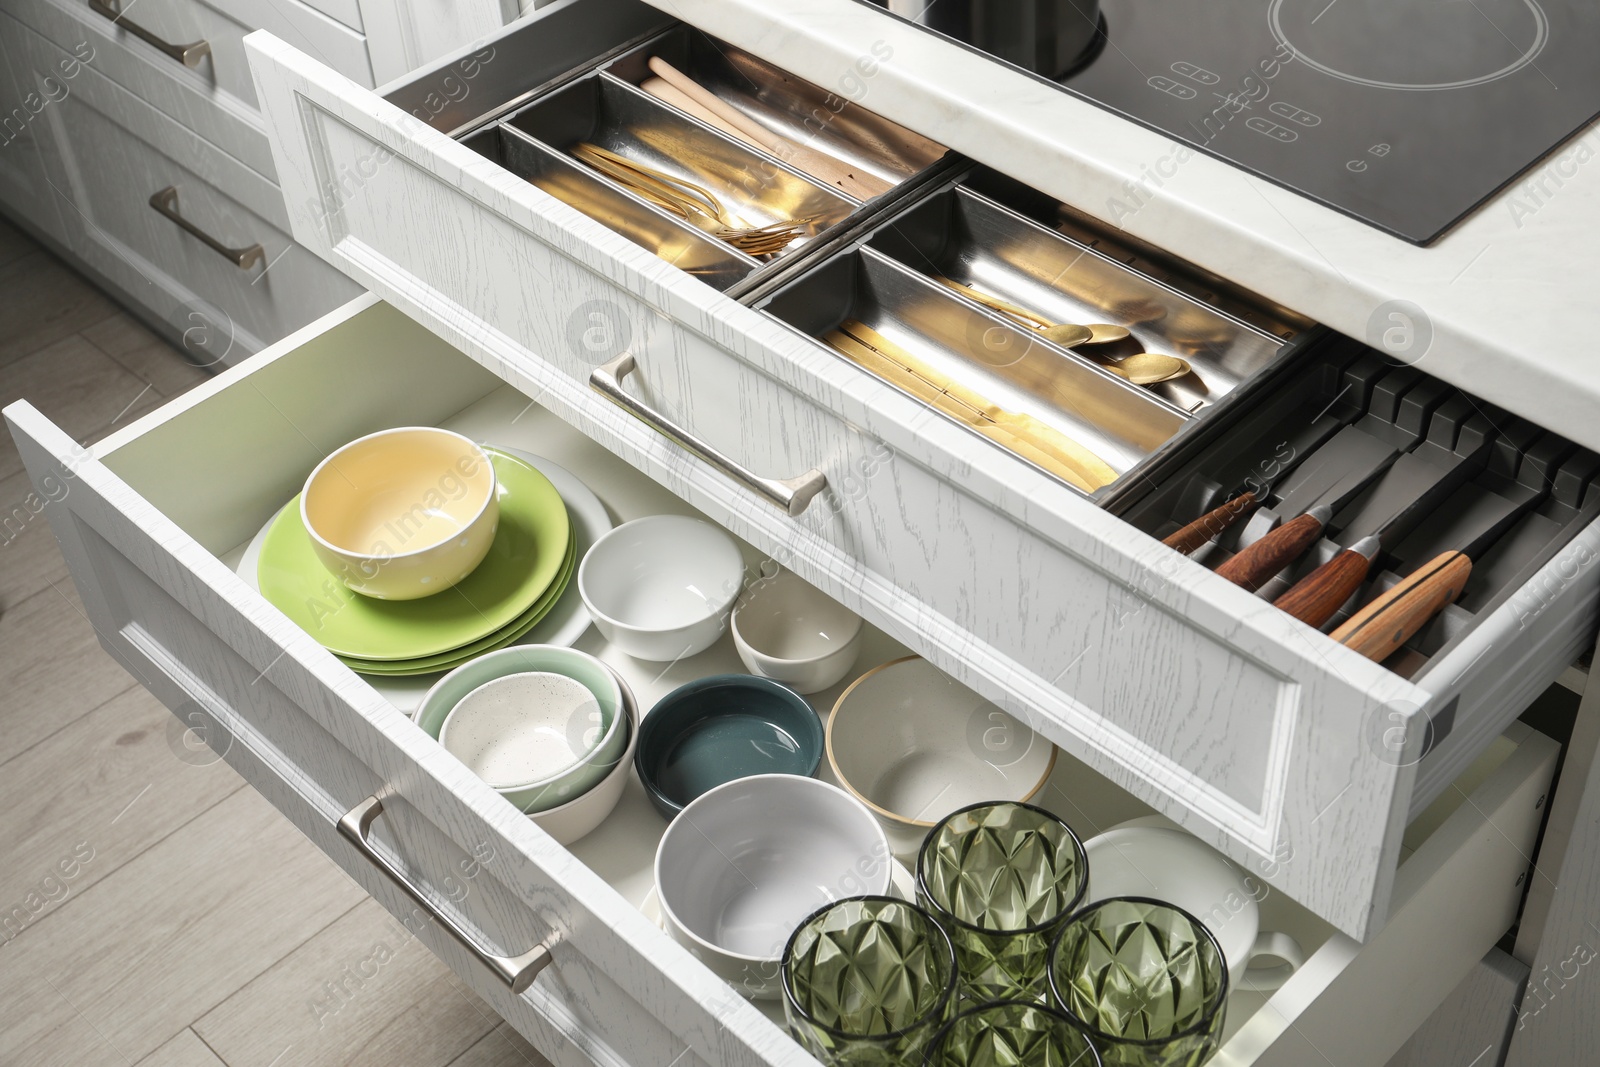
(1466, 461)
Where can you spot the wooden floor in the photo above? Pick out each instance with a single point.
(153, 909)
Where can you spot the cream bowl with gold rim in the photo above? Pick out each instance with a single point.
(914, 745)
(404, 513)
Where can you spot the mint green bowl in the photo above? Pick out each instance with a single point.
(519, 659)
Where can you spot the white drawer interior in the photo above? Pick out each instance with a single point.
(220, 461)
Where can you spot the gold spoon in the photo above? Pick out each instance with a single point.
(1148, 368)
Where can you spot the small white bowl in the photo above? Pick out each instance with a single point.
(743, 864)
(402, 513)
(659, 587)
(914, 745)
(578, 817)
(788, 630)
(523, 730)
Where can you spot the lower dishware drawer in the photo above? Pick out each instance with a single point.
(1251, 730)
(178, 224)
(153, 519)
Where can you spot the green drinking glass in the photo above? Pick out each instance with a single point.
(867, 982)
(1011, 1033)
(1002, 879)
(1145, 979)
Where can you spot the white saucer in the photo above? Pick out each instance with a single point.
(565, 623)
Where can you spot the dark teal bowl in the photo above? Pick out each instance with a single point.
(714, 730)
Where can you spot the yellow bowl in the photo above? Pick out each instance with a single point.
(403, 513)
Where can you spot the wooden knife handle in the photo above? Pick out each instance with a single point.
(1210, 524)
(1314, 598)
(1389, 621)
(1256, 563)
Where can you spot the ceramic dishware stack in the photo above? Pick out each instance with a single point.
(914, 745)
(1002, 879)
(868, 981)
(551, 729)
(788, 630)
(1012, 1033)
(743, 865)
(1146, 980)
(659, 588)
(717, 729)
(459, 606)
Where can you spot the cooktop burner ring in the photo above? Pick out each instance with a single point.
(1540, 39)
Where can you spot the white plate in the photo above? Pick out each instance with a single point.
(565, 623)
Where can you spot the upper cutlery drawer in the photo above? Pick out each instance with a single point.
(936, 506)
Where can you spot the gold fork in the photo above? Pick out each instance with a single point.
(691, 203)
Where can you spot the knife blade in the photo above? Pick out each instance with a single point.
(1362, 460)
(1315, 598)
(1391, 619)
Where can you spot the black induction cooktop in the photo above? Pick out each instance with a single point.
(1406, 114)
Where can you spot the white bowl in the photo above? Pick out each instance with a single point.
(745, 863)
(402, 513)
(523, 730)
(914, 745)
(578, 817)
(659, 587)
(788, 630)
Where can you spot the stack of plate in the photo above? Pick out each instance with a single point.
(519, 585)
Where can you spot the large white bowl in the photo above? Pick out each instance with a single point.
(745, 863)
(788, 630)
(659, 587)
(402, 513)
(579, 816)
(914, 745)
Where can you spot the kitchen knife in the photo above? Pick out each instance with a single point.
(1316, 597)
(1255, 564)
(1391, 619)
(1252, 491)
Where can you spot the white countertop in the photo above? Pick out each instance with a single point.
(1510, 295)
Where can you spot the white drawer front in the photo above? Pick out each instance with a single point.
(1194, 695)
(213, 32)
(108, 153)
(232, 125)
(145, 516)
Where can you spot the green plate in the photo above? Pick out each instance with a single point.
(528, 553)
(499, 639)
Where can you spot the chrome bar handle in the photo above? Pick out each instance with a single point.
(189, 55)
(517, 972)
(791, 495)
(166, 202)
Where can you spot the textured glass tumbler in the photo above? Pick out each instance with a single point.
(1146, 980)
(867, 982)
(1011, 1033)
(1001, 879)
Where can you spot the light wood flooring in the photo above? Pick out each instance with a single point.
(154, 911)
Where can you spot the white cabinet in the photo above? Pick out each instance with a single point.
(160, 94)
(153, 518)
(1263, 738)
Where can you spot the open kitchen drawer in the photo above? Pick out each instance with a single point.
(154, 518)
(1256, 733)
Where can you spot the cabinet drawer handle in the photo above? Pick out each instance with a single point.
(189, 55)
(166, 202)
(790, 494)
(517, 972)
